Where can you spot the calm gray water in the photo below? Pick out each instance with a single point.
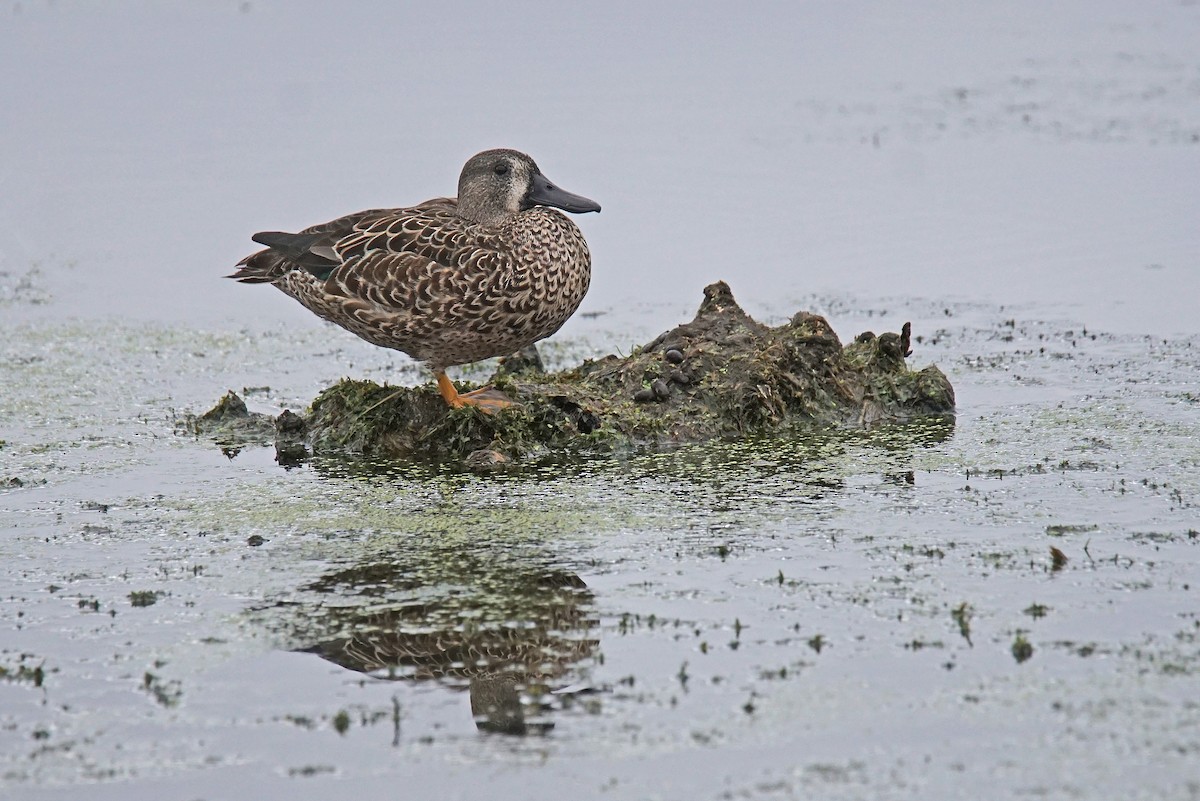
(838, 617)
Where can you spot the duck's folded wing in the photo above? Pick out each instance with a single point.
(410, 283)
(432, 230)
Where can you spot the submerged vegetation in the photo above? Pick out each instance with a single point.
(723, 374)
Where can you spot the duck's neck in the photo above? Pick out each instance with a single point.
(481, 209)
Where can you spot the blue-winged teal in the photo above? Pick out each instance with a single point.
(449, 281)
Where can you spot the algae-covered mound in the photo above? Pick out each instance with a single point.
(230, 424)
(232, 427)
(722, 374)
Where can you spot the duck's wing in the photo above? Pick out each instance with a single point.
(426, 262)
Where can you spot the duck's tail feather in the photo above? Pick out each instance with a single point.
(263, 267)
(285, 252)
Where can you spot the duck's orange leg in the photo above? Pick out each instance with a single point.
(485, 398)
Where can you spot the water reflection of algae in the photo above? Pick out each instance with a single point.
(819, 457)
(824, 450)
(501, 621)
(331, 504)
(558, 498)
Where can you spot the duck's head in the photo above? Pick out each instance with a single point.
(497, 184)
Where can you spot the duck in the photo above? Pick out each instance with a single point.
(449, 281)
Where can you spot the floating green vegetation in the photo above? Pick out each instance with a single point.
(23, 671)
(140, 598)
(308, 771)
(962, 616)
(722, 375)
(1036, 611)
(166, 693)
(1063, 530)
(1022, 650)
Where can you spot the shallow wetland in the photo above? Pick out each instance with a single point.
(1002, 605)
(177, 614)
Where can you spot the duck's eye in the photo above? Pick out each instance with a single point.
(501, 169)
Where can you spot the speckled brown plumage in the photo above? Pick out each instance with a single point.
(449, 281)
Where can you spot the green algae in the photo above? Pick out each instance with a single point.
(24, 671)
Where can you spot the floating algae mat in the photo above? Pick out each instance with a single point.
(721, 375)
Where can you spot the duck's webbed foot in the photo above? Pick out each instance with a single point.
(487, 399)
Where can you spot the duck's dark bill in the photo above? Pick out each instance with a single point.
(544, 193)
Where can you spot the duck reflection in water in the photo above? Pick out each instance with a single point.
(515, 633)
